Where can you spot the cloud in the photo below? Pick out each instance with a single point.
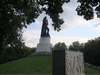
(67, 40)
(32, 38)
(72, 19)
(97, 28)
(96, 23)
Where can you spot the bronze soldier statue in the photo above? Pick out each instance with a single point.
(45, 29)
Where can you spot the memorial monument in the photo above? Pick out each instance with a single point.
(66, 62)
(44, 47)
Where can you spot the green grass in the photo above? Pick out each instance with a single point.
(34, 65)
(28, 65)
(91, 71)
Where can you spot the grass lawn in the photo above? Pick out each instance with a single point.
(91, 71)
(28, 65)
(34, 65)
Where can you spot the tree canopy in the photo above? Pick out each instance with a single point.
(60, 46)
(91, 51)
(76, 46)
(87, 8)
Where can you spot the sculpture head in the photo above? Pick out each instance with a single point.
(45, 21)
(45, 18)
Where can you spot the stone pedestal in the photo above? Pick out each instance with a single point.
(44, 47)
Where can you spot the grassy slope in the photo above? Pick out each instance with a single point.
(28, 65)
(91, 71)
(34, 65)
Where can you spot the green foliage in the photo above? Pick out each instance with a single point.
(76, 46)
(11, 53)
(60, 46)
(53, 8)
(14, 15)
(31, 50)
(87, 8)
(28, 65)
(92, 51)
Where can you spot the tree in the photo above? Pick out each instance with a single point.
(60, 46)
(87, 8)
(91, 51)
(13, 17)
(76, 46)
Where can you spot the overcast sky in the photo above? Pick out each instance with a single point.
(75, 28)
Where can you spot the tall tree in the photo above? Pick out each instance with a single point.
(60, 46)
(76, 46)
(14, 15)
(91, 51)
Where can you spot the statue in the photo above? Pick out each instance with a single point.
(44, 46)
(45, 29)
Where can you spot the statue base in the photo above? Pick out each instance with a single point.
(44, 47)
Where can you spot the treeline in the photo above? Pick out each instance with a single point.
(90, 49)
(10, 53)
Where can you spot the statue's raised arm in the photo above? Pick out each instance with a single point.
(45, 29)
